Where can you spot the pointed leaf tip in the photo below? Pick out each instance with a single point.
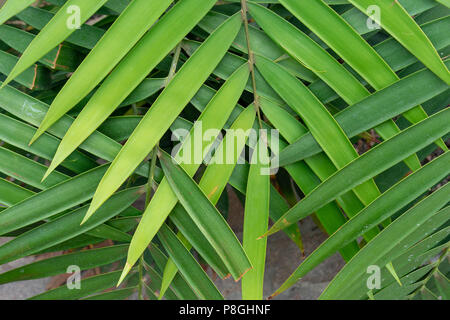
(392, 271)
(36, 136)
(50, 169)
(125, 272)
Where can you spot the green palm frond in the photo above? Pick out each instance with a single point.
(131, 122)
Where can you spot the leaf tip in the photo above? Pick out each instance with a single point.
(49, 171)
(243, 274)
(125, 272)
(273, 295)
(268, 233)
(35, 137)
(87, 216)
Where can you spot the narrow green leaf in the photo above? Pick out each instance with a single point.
(396, 21)
(321, 62)
(393, 53)
(36, 77)
(444, 2)
(144, 90)
(186, 225)
(212, 183)
(357, 53)
(14, 194)
(116, 294)
(207, 218)
(166, 108)
(408, 92)
(228, 65)
(87, 287)
(396, 292)
(392, 271)
(32, 110)
(26, 170)
(383, 207)
(318, 119)
(116, 5)
(188, 266)
(179, 285)
(58, 29)
(358, 20)
(407, 255)
(239, 176)
(155, 284)
(47, 203)
(126, 31)
(65, 227)
(260, 44)
(107, 232)
(256, 220)
(308, 52)
(85, 260)
(442, 284)
(17, 134)
(11, 193)
(215, 177)
(330, 215)
(145, 55)
(212, 118)
(86, 37)
(61, 58)
(370, 164)
(78, 242)
(12, 7)
(171, 269)
(414, 251)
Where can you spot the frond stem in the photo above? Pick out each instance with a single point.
(251, 60)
